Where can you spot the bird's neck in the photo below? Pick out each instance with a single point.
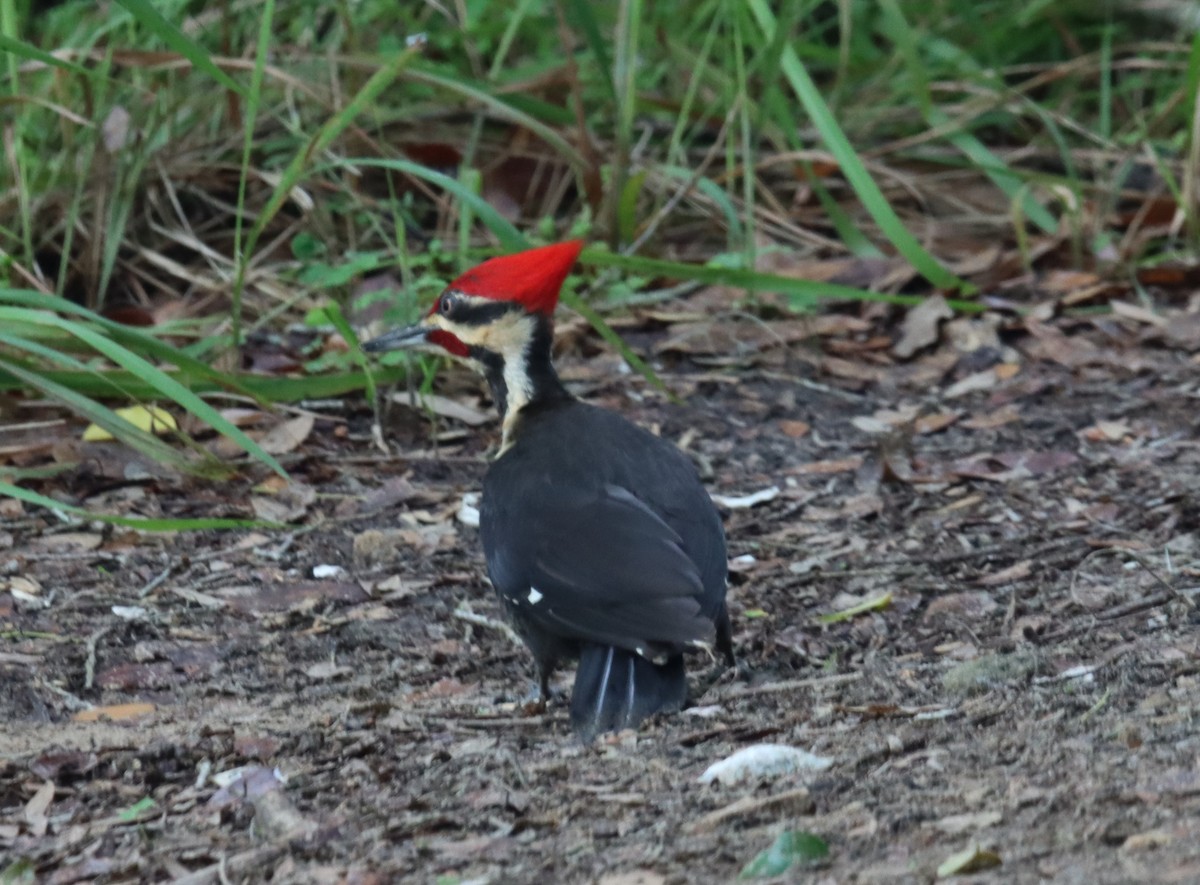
(523, 377)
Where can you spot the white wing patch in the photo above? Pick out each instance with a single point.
(535, 596)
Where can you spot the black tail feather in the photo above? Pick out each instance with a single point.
(616, 689)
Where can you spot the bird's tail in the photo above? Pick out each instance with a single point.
(616, 689)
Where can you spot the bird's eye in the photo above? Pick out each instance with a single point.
(446, 305)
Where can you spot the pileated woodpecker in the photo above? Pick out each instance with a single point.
(600, 539)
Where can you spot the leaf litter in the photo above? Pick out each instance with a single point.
(1012, 677)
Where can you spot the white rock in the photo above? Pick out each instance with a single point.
(761, 762)
(468, 511)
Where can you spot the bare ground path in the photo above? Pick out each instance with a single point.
(1033, 685)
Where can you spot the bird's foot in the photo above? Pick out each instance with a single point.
(539, 699)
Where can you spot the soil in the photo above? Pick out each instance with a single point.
(1024, 531)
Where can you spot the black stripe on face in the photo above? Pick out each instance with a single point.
(466, 311)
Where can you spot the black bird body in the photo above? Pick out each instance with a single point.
(604, 546)
(600, 539)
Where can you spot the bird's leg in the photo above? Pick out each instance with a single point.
(537, 705)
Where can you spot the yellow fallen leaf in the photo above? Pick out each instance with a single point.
(149, 418)
(114, 712)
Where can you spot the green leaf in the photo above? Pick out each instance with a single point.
(163, 383)
(870, 605)
(627, 206)
(334, 312)
(134, 811)
(792, 847)
(971, 859)
(19, 872)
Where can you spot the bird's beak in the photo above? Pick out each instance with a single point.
(411, 336)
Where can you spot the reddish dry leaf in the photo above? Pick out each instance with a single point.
(1169, 275)
(1061, 282)
(853, 371)
(63, 765)
(299, 596)
(256, 747)
(1006, 414)
(794, 429)
(1012, 465)
(971, 606)
(1015, 572)
(933, 423)
(139, 677)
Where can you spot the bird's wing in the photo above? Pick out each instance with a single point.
(603, 567)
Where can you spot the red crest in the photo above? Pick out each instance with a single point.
(532, 278)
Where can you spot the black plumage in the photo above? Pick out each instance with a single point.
(600, 539)
(604, 546)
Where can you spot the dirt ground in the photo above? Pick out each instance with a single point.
(1032, 685)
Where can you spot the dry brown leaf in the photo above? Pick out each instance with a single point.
(1006, 414)
(36, 808)
(921, 327)
(288, 504)
(1015, 572)
(1106, 431)
(68, 541)
(933, 423)
(794, 429)
(443, 407)
(1138, 314)
(853, 371)
(985, 380)
(823, 468)
(114, 712)
(288, 435)
(971, 606)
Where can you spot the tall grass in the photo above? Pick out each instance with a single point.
(247, 161)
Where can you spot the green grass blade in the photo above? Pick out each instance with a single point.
(21, 49)
(249, 124)
(133, 338)
(501, 109)
(145, 524)
(334, 312)
(151, 19)
(136, 438)
(581, 15)
(511, 238)
(376, 84)
(852, 166)
(903, 35)
(804, 291)
(173, 390)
